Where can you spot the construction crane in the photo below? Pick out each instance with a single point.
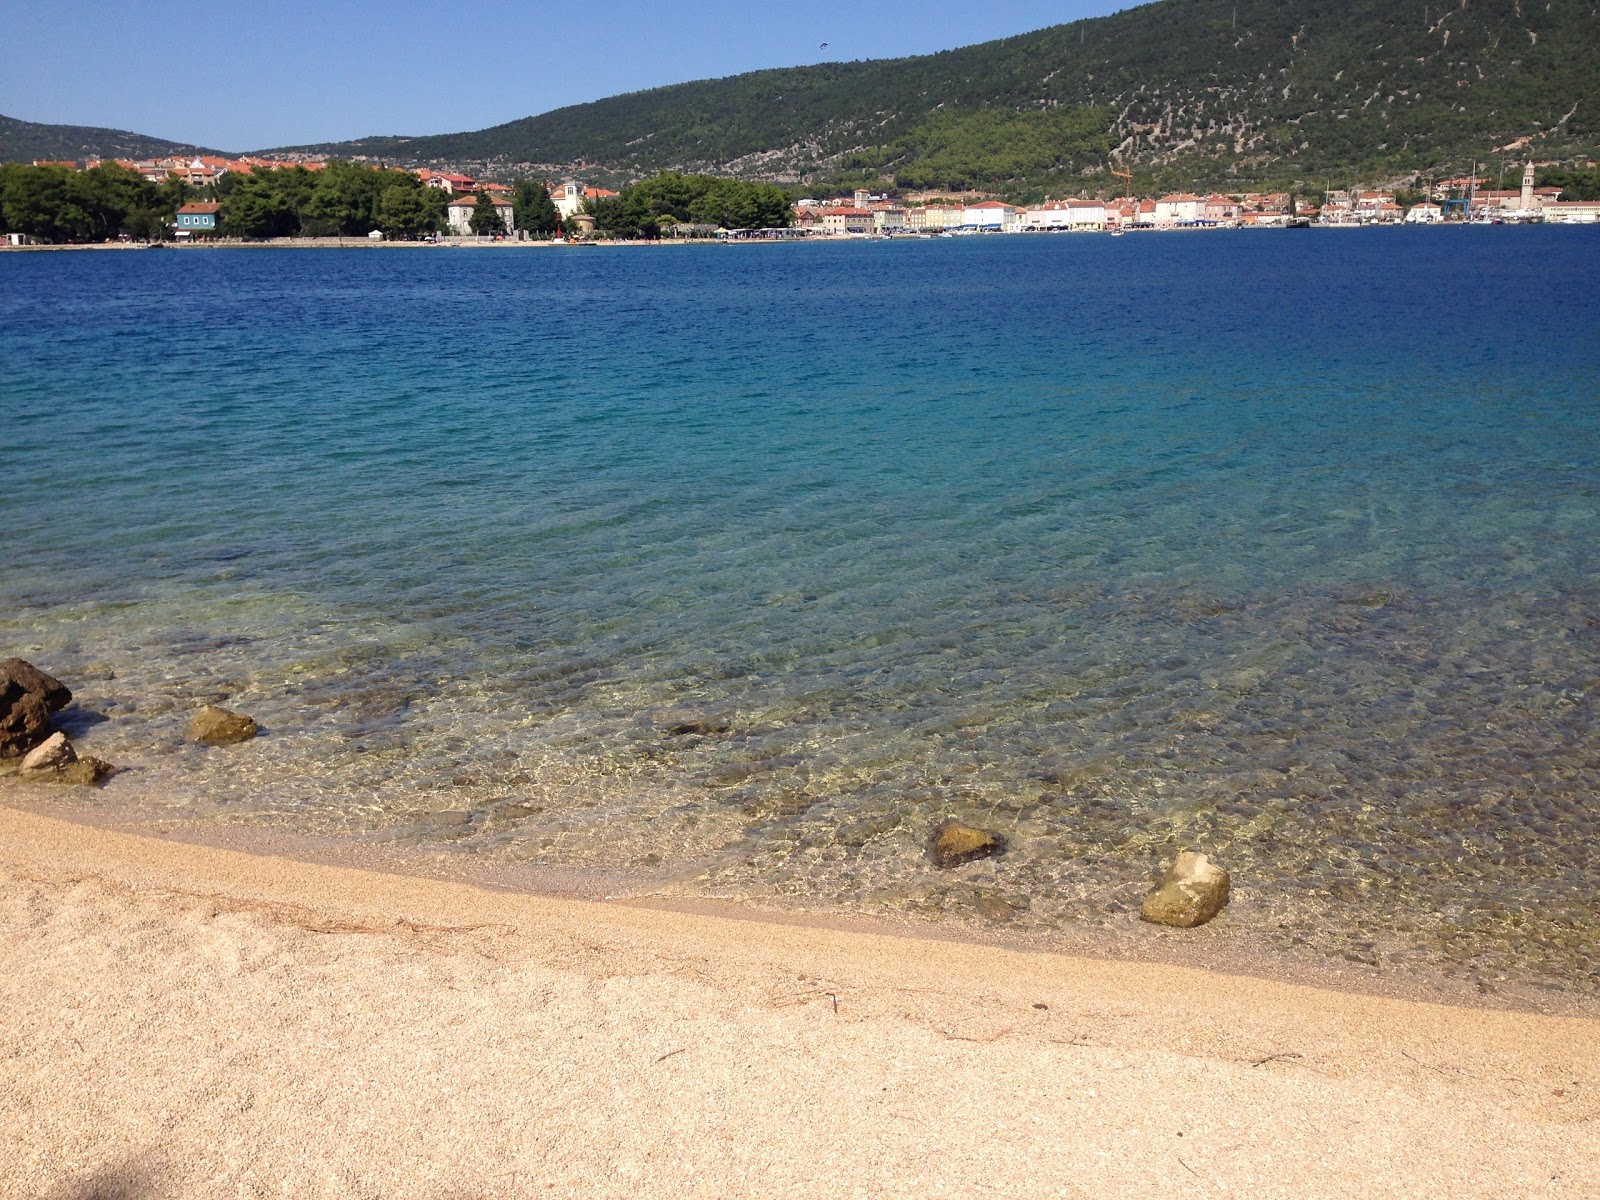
(1126, 175)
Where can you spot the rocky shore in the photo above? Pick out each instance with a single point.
(1191, 892)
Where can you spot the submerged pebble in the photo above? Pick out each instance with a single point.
(214, 725)
(954, 843)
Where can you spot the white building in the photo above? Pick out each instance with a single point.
(990, 214)
(1178, 209)
(1055, 215)
(568, 198)
(1086, 214)
(1426, 213)
(459, 215)
(1572, 212)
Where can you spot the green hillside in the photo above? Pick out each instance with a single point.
(1203, 93)
(26, 141)
(1199, 91)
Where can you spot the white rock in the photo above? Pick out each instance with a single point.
(52, 753)
(1193, 890)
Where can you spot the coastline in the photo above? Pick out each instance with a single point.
(460, 243)
(1236, 944)
(198, 1021)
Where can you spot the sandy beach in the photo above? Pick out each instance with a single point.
(190, 1021)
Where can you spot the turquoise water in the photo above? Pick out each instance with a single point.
(1279, 545)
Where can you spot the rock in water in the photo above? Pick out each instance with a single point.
(27, 698)
(215, 726)
(1192, 891)
(686, 720)
(88, 771)
(954, 843)
(51, 754)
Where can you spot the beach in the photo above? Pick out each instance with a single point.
(192, 1021)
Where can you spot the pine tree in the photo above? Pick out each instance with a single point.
(533, 209)
(485, 216)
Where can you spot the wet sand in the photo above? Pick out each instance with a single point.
(184, 1020)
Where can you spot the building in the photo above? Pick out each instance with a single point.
(1050, 216)
(1572, 212)
(198, 217)
(1426, 213)
(842, 221)
(888, 218)
(569, 197)
(1221, 208)
(1179, 209)
(988, 214)
(459, 215)
(934, 218)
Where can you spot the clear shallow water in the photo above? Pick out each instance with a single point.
(1278, 545)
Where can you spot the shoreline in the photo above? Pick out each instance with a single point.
(1227, 946)
(465, 243)
(190, 1021)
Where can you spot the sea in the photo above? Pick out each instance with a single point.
(730, 571)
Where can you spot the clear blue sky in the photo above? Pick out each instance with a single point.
(281, 72)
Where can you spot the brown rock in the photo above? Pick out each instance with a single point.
(27, 698)
(216, 726)
(23, 722)
(954, 843)
(14, 672)
(88, 771)
(1192, 891)
(49, 755)
(687, 720)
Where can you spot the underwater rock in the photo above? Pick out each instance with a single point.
(1192, 891)
(51, 754)
(27, 698)
(214, 726)
(681, 721)
(954, 843)
(88, 771)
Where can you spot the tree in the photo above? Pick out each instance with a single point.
(262, 204)
(533, 210)
(404, 208)
(344, 200)
(43, 203)
(486, 217)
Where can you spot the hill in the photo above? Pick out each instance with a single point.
(1190, 91)
(27, 141)
(1196, 93)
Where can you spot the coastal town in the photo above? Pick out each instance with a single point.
(469, 208)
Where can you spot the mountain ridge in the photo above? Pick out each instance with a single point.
(1198, 92)
(25, 141)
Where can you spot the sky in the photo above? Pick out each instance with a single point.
(241, 77)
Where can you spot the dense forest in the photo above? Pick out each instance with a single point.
(343, 199)
(58, 204)
(1205, 93)
(61, 205)
(641, 209)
